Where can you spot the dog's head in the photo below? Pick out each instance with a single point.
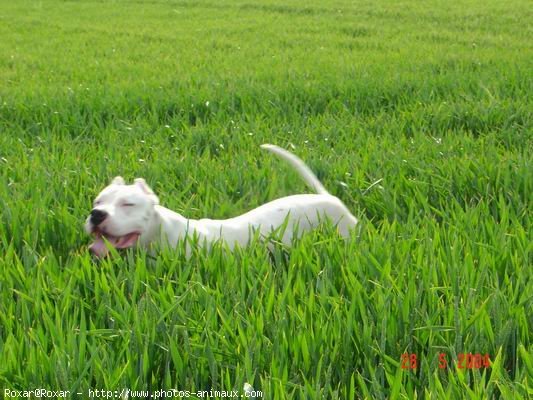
(121, 214)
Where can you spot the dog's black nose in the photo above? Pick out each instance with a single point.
(98, 216)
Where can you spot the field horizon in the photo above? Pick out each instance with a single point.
(417, 115)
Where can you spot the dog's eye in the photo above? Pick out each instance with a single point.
(128, 204)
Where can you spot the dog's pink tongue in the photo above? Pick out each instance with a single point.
(126, 240)
(99, 248)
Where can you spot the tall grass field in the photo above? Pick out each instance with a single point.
(417, 114)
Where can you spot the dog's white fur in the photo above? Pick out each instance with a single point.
(134, 216)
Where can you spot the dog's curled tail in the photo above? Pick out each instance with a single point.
(299, 165)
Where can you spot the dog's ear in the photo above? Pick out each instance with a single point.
(143, 185)
(118, 180)
(146, 189)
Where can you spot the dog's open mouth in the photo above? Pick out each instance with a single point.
(99, 247)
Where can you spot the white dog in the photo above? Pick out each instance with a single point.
(130, 215)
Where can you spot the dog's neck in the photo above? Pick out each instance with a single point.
(155, 231)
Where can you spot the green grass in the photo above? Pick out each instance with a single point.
(421, 109)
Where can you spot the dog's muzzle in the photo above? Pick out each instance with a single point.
(97, 217)
(103, 240)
